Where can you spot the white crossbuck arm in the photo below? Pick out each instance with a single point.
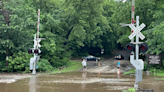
(136, 31)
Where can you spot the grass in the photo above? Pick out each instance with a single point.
(159, 78)
(130, 90)
(132, 71)
(159, 74)
(73, 66)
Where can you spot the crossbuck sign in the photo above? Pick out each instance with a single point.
(136, 31)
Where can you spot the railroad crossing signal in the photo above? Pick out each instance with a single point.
(136, 31)
(131, 47)
(36, 51)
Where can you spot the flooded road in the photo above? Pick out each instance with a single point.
(80, 82)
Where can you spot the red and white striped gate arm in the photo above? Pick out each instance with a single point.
(38, 26)
(133, 3)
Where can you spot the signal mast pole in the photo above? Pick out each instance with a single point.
(36, 46)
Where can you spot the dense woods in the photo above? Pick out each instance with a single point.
(74, 28)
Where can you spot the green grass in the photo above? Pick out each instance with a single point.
(132, 71)
(159, 78)
(159, 74)
(73, 66)
(130, 90)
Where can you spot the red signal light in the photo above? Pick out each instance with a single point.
(36, 51)
(30, 51)
(143, 47)
(129, 47)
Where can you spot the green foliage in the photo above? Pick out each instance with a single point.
(19, 62)
(155, 34)
(161, 73)
(44, 65)
(131, 90)
(132, 71)
(156, 72)
(159, 79)
(2, 66)
(87, 25)
(75, 28)
(72, 66)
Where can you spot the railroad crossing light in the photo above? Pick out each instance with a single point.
(130, 47)
(143, 47)
(37, 51)
(30, 51)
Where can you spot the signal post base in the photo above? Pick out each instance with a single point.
(136, 85)
(34, 73)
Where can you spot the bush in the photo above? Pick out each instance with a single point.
(19, 62)
(2, 66)
(44, 65)
(132, 90)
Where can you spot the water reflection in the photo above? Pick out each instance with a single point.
(99, 74)
(32, 84)
(83, 85)
(84, 74)
(119, 76)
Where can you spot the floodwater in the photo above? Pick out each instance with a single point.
(80, 82)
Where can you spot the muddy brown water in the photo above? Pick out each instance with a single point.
(80, 82)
